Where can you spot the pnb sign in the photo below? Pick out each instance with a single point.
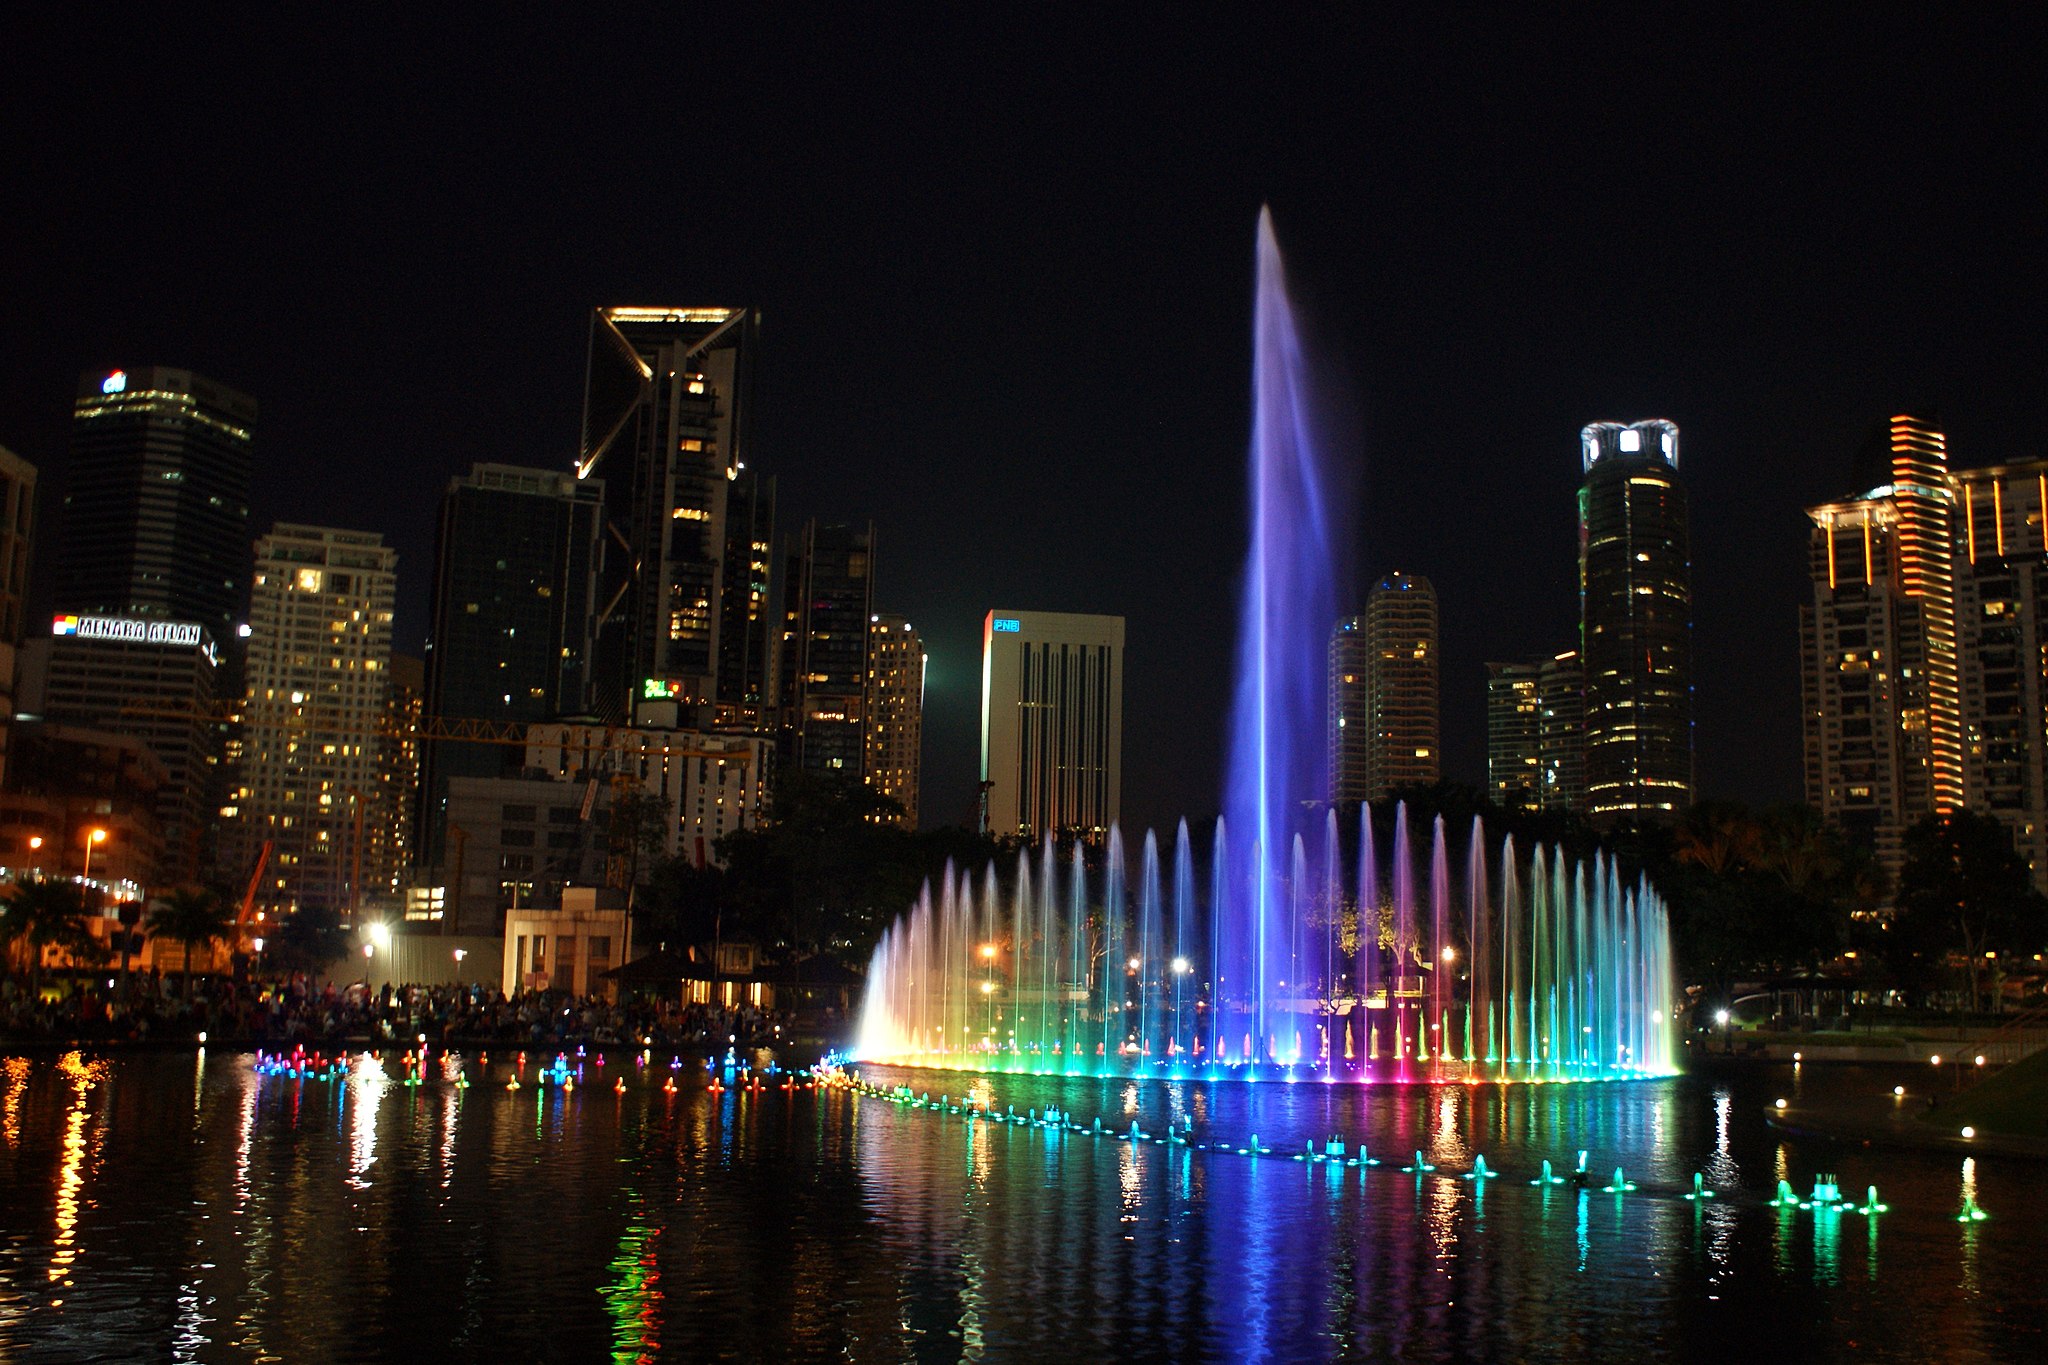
(131, 629)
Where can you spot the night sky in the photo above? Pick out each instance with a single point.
(1006, 280)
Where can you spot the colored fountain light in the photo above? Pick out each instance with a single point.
(1301, 945)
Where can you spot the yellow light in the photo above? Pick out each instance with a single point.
(988, 952)
(988, 988)
(99, 836)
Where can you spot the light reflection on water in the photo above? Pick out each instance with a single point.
(283, 1219)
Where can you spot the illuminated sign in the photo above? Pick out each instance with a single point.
(132, 630)
(115, 382)
(658, 689)
(1007, 625)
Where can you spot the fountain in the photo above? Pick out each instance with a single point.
(1328, 948)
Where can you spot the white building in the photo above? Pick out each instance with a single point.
(1052, 709)
(711, 784)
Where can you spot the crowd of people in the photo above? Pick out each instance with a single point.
(288, 1014)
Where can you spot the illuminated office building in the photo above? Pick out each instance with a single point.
(1350, 778)
(895, 712)
(319, 693)
(665, 421)
(155, 521)
(1401, 699)
(1052, 706)
(1635, 622)
(1514, 736)
(1880, 688)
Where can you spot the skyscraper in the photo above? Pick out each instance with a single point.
(17, 527)
(749, 621)
(319, 656)
(1561, 731)
(1635, 622)
(156, 516)
(1052, 708)
(1514, 736)
(895, 712)
(1880, 687)
(2001, 576)
(1401, 697)
(665, 419)
(1350, 728)
(828, 613)
(516, 569)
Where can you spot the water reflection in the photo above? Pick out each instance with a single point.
(287, 1219)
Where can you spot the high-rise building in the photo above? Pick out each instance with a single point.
(1514, 735)
(1880, 690)
(1401, 697)
(156, 512)
(2001, 575)
(516, 571)
(1561, 732)
(319, 656)
(1349, 728)
(389, 831)
(17, 528)
(895, 712)
(153, 680)
(665, 418)
(828, 611)
(1052, 714)
(1635, 622)
(749, 621)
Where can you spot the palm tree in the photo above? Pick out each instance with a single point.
(41, 911)
(193, 916)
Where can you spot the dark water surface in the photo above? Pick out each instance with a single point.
(166, 1207)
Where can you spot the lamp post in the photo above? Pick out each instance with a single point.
(95, 837)
(35, 846)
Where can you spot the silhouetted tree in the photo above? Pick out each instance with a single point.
(1964, 889)
(192, 916)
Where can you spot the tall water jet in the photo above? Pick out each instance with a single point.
(1533, 967)
(1277, 762)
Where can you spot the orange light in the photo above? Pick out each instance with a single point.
(99, 836)
(35, 841)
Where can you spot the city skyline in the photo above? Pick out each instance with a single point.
(1774, 383)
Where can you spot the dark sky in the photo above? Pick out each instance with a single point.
(1006, 276)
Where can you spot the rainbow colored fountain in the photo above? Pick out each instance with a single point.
(1305, 947)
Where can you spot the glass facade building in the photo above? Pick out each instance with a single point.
(1402, 731)
(1635, 622)
(156, 514)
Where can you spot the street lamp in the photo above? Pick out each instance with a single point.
(94, 838)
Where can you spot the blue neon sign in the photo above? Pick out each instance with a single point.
(1009, 625)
